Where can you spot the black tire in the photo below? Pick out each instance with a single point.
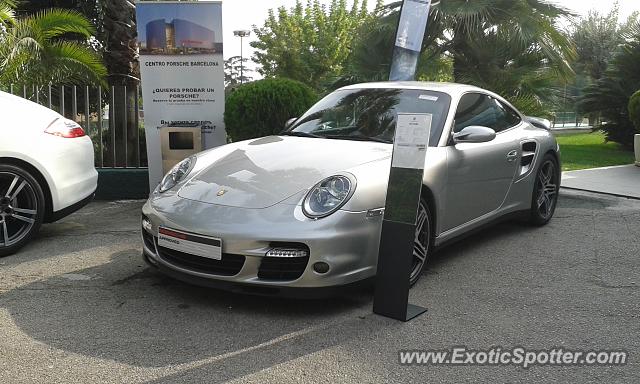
(22, 208)
(423, 241)
(546, 187)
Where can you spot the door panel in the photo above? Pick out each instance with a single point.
(479, 177)
(480, 174)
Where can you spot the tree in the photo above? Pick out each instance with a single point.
(120, 51)
(634, 110)
(309, 43)
(236, 71)
(509, 46)
(87, 8)
(45, 48)
(596, 38)
(610, 95)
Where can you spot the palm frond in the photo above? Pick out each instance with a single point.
(57, 22)
(7, 14)
(35, 50)
(76, 62)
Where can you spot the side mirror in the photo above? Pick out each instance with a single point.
(474, 134)
(290, 122)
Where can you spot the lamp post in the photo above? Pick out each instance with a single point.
(241, 34)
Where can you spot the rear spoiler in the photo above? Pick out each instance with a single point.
(539, 122)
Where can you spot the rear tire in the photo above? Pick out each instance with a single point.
(22, 208)
(545, 191)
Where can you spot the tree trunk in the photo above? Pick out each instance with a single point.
(121, 59)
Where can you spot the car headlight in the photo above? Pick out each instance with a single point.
(177, 174)
(328, 196)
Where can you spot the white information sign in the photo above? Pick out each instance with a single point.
(182, 70)
(411, 140)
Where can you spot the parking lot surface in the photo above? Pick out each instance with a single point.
(78, 305)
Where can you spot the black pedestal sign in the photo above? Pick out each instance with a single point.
(411, 141)
(395, 254)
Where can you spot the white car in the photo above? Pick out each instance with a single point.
(46, 169)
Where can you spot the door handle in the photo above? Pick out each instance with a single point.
(512, 156)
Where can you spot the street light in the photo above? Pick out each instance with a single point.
(241, 34)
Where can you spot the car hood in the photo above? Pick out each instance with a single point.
(263, 172)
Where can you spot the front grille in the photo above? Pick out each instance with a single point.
(230, 265)
(148, 240)
(282, 268)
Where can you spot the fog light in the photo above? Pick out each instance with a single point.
(321, 267)
(287, 252)
(146, 224)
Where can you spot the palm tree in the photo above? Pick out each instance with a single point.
(118, 19)
(609, 96)
(121, 54)
(486, 41)
(47, 48)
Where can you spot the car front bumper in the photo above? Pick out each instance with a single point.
(346, 241)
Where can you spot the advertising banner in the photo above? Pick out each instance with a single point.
(408, 44)
(182, 71)
(413, 24)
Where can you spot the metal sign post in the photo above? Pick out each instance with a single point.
(405, 179)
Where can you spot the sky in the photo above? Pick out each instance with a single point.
(242, 14)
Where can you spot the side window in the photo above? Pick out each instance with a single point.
(483, 110)
(506, 117)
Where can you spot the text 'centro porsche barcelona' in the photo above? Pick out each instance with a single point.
(303, 210)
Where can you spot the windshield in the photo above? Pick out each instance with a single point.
(370, 114)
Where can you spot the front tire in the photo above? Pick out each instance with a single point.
(22, 208)
(422, 242)
(545, 191)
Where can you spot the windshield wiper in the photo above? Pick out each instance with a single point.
(359, 138)
(300, 134)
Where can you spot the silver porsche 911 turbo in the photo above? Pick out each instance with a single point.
(301, 211)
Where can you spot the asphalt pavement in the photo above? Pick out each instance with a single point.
(78, 305)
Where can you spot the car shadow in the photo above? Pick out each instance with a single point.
(465, 245)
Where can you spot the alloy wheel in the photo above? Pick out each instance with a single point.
(547, 189)
(421, 243)
(18, 208)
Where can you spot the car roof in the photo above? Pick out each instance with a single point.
(450, 88)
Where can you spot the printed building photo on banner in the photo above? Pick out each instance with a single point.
(177, 29)
(182, 70)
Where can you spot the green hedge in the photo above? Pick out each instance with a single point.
(634, 110)
(262, 108)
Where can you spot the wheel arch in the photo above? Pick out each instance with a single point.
(554, 154)
(46, 189)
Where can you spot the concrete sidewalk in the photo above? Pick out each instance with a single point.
(622, 180)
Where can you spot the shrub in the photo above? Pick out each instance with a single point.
(262, 108)
(634, 110)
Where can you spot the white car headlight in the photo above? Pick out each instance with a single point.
(328, 196)
(177, 174)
